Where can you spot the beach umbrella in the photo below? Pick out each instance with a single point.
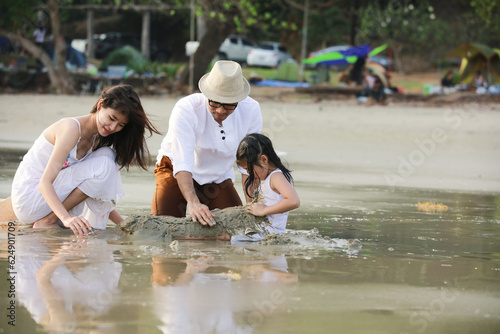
(348, 56)
(377, 50)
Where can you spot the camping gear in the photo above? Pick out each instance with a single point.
(288, 71)
(476, 57)
(126, 55)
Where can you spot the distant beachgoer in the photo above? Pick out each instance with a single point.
(479, 80)
(39, 36)
(369, 82)
(195, 162)
(269, 180)
(447, 80)
(357, 72)
(377, 92)
(71, 175)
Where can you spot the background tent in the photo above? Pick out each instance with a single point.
(288, 71)
(476, 57)
(73, 56)
(126, 56)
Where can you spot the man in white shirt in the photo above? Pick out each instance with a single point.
(195, 162)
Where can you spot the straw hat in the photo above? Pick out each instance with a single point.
(225, 83)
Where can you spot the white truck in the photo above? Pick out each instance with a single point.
(234, 48)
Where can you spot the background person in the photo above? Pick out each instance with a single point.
(447, 80)
(479, 80)
(377, 93)
(196, 158)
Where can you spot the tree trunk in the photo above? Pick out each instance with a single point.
(354, 20)
(397, 50)
(215, 33)
(65, 85)
(37, 53)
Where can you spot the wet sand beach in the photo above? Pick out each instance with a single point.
(455, 147)
(373, 260)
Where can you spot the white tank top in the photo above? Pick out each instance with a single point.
(72, 157)
(278, 220)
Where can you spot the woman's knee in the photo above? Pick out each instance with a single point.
(105, 166)
(104, 152)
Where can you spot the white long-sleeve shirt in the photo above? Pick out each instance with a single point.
(196, 143)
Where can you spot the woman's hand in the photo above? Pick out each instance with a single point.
(79, 225)
(257, 209)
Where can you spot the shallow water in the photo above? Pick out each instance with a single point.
(416, 272)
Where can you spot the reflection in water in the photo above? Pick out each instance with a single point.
(63, 284)
(198, 295)
(416, 272)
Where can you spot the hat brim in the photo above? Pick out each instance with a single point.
(220, 97)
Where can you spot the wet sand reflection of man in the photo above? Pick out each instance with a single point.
(198, 295)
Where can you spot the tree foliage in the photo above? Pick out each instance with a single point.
(407, 28)
(487, 10)
(18, 23)
(424, 29)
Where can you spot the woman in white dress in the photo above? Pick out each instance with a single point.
(71, 175)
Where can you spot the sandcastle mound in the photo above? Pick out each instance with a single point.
(230, 221)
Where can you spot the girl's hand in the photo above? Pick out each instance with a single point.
(79, 225)
(257, 209)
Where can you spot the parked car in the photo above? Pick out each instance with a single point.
(268, 54)
(115, 40)
(236, 48)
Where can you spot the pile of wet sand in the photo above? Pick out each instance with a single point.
(230, 221)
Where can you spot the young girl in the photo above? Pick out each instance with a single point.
(269, 178)
(71, 175)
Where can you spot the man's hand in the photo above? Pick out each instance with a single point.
(198, 212)
(202, 214)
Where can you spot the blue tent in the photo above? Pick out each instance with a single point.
(73, 56)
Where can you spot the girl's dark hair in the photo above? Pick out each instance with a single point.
(129, 143)
(250, 149)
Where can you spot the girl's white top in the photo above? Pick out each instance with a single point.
(278, 220)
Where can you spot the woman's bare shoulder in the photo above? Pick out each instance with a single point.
(65, 127)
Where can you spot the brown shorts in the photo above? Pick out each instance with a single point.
(169, 201)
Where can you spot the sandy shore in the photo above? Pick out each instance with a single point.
(338, 142)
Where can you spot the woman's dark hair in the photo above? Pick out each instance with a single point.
(250, 149)
(129, 143)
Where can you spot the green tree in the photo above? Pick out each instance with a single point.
(17, 22)
(225, 17)
(487, 10)
(412, 31)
